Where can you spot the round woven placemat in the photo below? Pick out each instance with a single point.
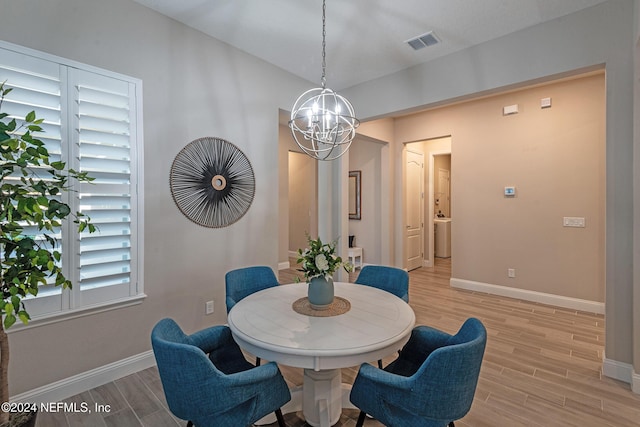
(338, 306)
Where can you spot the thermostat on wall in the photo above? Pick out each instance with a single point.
(510, 109)
(509, 191)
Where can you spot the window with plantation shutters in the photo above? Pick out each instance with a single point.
(91, 122)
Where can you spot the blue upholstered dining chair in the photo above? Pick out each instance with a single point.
(390, 279)
(243, 282)
(431, 383)
(208, 382)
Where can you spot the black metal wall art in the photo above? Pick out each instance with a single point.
(212, 182)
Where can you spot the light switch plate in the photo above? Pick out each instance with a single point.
(573, 221)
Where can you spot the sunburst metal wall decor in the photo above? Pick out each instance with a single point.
(212, 182)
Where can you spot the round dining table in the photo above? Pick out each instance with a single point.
(375, 324)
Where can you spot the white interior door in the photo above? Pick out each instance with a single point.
(414, 210)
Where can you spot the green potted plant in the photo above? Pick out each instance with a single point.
(29, 198)
(318, 262)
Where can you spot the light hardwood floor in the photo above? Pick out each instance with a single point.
(542, 367)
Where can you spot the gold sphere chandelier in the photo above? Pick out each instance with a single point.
(323, 123)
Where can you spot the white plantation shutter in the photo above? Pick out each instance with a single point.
(37, 86)
(90, 122)
(105, 130)
(34, 91)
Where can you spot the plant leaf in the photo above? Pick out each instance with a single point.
(9, 320)
(24, 316)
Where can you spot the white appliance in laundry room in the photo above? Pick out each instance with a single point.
(442, 237)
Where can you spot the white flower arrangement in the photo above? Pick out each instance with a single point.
(320, 259)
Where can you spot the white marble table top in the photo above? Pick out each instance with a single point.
(266, 325)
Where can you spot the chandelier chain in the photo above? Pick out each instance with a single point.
(324, 44)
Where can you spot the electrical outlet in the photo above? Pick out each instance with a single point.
(209, 307)
(511, 272)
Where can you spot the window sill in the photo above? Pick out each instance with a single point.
(51, 318)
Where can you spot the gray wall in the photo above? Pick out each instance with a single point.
(636, 198)
(365, 155)
(194, 86)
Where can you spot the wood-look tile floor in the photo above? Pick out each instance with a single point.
(542, 367)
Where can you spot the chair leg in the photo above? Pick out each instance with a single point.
(361, 418)
(189, 424)
(380, 363)
(280, 418)
(257, 361)
(451, 424)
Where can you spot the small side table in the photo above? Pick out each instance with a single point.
(355, 257)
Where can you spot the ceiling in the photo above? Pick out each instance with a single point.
(365, 39)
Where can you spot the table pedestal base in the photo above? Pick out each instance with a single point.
(322, 397)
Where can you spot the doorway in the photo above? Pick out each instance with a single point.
(435, 176)
(440, 223)
(442, 164)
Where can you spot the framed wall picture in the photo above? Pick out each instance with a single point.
(354, 194)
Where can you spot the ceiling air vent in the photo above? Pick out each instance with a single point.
(426, 39)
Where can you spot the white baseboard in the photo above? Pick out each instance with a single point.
(622, 372)
(533, 296)
(293, 254)
(284, 265)
(427, 263)
(63, 389)
(617, 370)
